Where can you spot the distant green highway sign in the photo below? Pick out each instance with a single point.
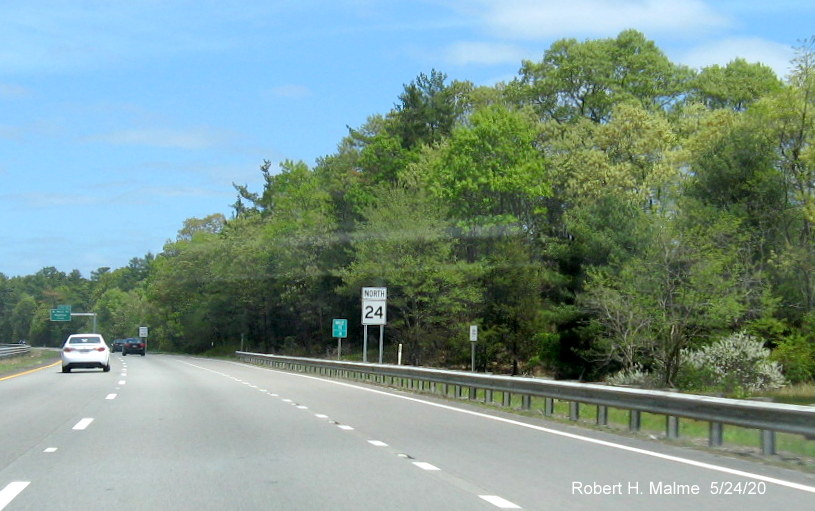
(60, 314)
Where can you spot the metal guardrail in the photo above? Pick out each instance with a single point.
(768, 418)
(13, 350)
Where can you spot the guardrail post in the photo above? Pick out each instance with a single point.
(602, 415)
(767, 442)
(574, 410)
(767, 418)
(716, 437)
(634, 420)
(672, 427)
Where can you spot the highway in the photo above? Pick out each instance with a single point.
(166, 432)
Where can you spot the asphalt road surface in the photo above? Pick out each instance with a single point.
(179, 433)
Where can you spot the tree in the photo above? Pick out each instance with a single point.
(587, 79)
(513, 312)
(405, 245)
(734, 86)
(428, 109)
(22, 317)
(492, 175)
(687, 285)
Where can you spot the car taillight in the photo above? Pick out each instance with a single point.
(100, 349)
(141, 345)
(68, 350)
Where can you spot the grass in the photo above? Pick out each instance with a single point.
(792, 449)
(798, 394)
(35, 358)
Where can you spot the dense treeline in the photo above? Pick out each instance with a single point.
(607, 209)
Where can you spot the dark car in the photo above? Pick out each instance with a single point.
(133, 345)
(116, 345)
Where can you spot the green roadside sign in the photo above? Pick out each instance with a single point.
(61, 314)
(340, 328)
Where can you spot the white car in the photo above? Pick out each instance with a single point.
(85, 350)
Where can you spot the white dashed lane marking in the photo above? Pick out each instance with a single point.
(50, 449)
(111, 396)
(83, 424)
(11, 491)
(495, 500)
(499, 502)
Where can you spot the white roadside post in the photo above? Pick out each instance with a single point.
(143, 336)
(473, 340)
(374, 312)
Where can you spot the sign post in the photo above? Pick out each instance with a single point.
(473, 340)
(374, 312)
(339, 329)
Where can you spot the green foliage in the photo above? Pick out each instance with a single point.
(796, 354)
(734, 86)
(607, 211)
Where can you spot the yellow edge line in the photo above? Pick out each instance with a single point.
(30, 371)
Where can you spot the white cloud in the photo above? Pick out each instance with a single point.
(464, 53)
(191, 139)
(290, 91)
(13, 91)
(537, 20)
(752, 49)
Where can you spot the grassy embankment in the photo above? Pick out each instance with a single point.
(793, 449)
(36, 358)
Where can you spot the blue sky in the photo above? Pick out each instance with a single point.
(119, 119)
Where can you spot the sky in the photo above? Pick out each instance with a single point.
(119, 119)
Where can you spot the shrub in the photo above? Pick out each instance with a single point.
(797, 356)
(736, 365)
(634, 375)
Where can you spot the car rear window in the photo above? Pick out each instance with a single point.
(84, 340)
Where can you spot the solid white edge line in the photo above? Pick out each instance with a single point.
(11, 491)
(83, 424)
(573, 436)
(499, 502)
